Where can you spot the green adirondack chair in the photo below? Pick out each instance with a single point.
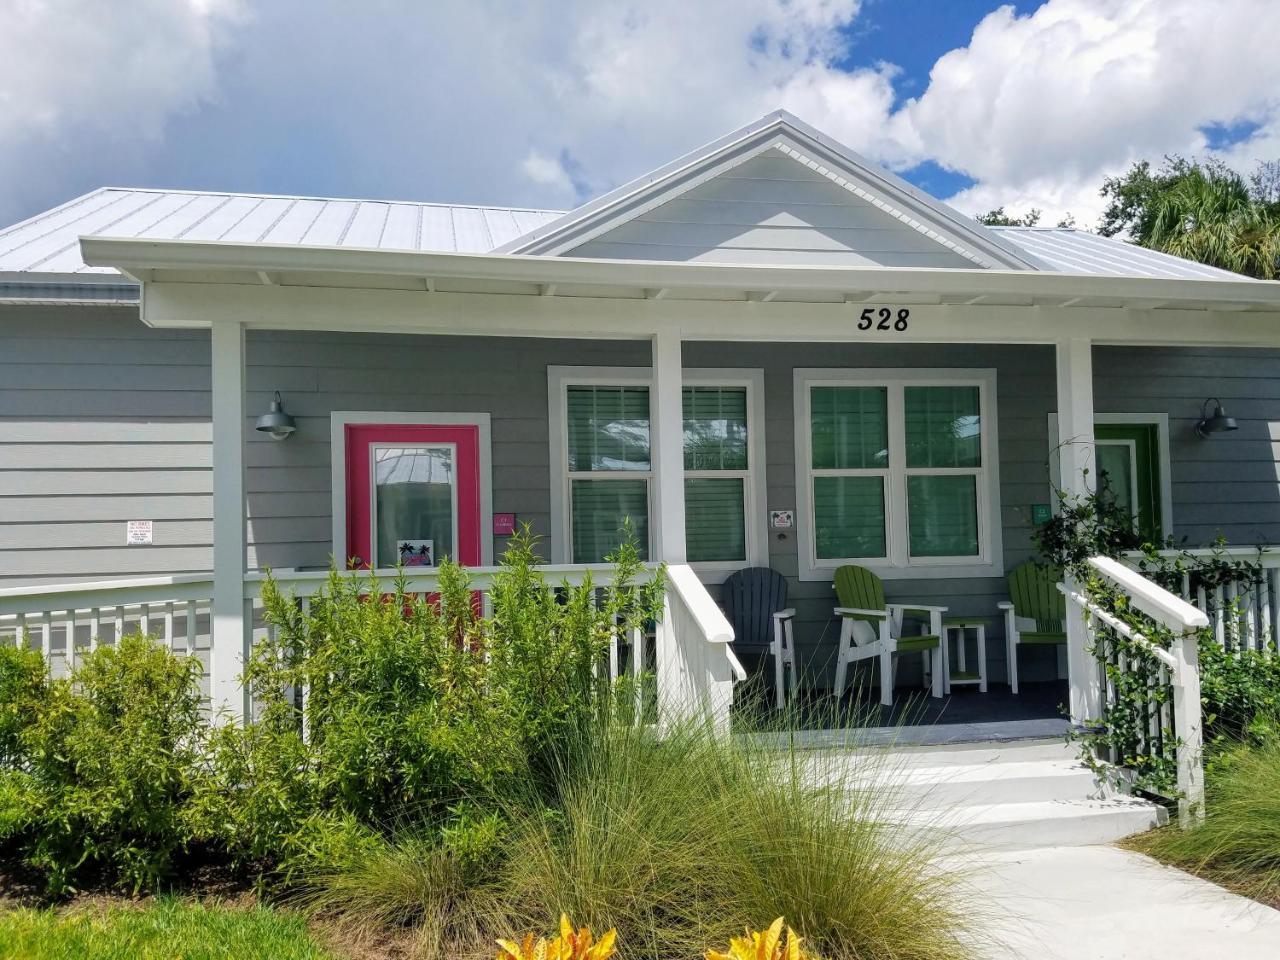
(869, 627)
(1033, 595)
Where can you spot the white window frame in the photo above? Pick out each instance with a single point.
(560, 378)
(1158, 420)
(338, 421)
(898, 564)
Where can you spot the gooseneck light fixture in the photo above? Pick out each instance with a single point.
(275, 421)
(1216, 422)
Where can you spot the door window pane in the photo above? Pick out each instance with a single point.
(715, 428)
(598, 509)
(944, 426)
(413, 505)
(943, 516)
(1115, 476)
(849, 517)
(608, 428)
(715, 519)
(850, 428)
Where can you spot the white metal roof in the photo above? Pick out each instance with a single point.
(1067, 250)
(49, 242)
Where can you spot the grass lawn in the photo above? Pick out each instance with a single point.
(166, 928)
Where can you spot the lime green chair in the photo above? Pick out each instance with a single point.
(869, 627)
(1035, 599)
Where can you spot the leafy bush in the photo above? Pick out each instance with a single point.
(570, 945)
(23, 685)
(413, 705)
(108, 758)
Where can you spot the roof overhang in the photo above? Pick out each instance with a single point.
(192, 262)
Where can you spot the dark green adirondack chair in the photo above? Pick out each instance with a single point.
(1033, 595)
(755, 602)
(869, 627)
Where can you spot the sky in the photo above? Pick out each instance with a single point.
(545, 103)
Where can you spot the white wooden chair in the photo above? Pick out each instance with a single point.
(869, 628)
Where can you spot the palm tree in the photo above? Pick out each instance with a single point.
(1208, 215)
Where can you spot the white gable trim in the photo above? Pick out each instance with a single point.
(779, 131)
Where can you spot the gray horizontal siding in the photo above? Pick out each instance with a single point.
(102, 420)
(771, 209)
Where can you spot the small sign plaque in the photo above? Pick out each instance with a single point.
(417, 553)
(504, 524)
(782, 519)
(1041, 513)
(138, 532)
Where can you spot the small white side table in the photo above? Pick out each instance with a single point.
(962, 674)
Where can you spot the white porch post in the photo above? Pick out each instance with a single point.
(226, 659)
(1078, 473)
(668, 446)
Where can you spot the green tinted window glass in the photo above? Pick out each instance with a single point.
(715, 520)
(715, 428)
(608, 428)
(942, 515)
(599, 509)
(944, 426)
(849, 428)
(848, 514)
(1116, 475)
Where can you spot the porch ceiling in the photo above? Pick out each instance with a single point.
(194, 262)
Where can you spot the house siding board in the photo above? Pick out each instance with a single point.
(102, 420)
(771, 209)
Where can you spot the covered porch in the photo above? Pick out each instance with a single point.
(352, 337)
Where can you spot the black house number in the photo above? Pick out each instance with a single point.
(884, 319)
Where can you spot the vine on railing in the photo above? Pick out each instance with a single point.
(1136, 731)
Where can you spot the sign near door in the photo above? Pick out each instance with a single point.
(417, 553)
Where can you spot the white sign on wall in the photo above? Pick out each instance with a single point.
(138, 532)
(782, 519)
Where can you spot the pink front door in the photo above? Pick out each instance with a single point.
(413, 494)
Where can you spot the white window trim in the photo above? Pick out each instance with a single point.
(559, 379)
(338, 421)
(898, 565)
(1158, 420)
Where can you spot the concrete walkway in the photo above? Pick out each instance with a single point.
(1104, 903)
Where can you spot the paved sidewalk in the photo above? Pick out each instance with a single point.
(1104, 903)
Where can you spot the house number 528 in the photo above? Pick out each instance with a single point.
(884, 319)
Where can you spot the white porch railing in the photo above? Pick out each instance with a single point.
(1244, 611)
(1169, 723)
(692, 659)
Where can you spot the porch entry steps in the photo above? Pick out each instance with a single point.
(1019, 795)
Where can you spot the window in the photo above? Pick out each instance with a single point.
(895, 471)
(602, 461)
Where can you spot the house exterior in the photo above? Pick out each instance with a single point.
(769, 352)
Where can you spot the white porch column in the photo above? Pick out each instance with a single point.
(226, 659)
(668, 446)
(1078, 475)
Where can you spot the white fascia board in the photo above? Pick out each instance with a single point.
(150, 258)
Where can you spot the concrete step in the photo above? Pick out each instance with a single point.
(979, 754)
(1023, 781)
(1042, 823)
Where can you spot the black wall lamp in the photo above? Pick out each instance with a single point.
(1217, 422)
(275, 421)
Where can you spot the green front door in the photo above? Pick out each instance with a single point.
(1128, 457)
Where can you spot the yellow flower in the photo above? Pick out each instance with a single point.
(768, 945)
(568, 946)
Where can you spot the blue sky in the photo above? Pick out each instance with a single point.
(546, 102)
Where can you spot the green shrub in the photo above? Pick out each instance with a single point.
(414, 704)
(23, 686)
(108, 759)
(1236, 688)
(1239, 841)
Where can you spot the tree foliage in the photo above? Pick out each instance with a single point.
(1203, 211)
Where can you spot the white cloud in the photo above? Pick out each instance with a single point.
(543, 102)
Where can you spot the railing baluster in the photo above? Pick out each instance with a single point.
(46, 636)
(69, 653)
(95, 625)
(192, 620)
(1219, 621)
(637, 671)
(168, 626)
(144, 619)
(119, 622)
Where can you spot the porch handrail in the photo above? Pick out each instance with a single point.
(306, 583)
(86, 595)
(1181, 661)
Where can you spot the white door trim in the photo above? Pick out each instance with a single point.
(338, 421)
